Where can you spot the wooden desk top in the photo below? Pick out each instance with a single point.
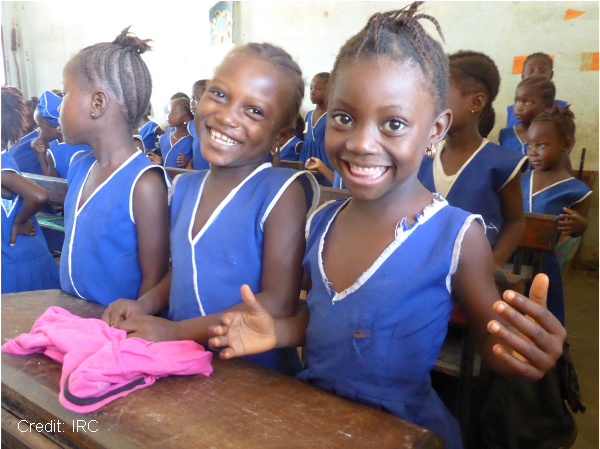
(240, 405)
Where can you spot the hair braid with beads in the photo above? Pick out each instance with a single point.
(399, 35)
(119, 66)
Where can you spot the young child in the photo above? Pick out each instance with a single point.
(313, 149)
(26, 261)
(242, 220)
(551, 189)
(31, 105)
(116, 210)
(533, 96)
(150, 130)
(386, 263)
(178, 141)
(536, 64)
(290, 151)
(197, 162)
(469, 171)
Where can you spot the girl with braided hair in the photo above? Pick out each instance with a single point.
(116, 210)
(26, 261)
(386, 263)
(243, 220)
(197, 162)
(176, 145)
(471, 172)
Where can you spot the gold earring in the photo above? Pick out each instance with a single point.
(472, 111)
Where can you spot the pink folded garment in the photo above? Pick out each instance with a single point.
(99, 363)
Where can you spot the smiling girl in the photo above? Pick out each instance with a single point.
(240, 222)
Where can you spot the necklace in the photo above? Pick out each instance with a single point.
(175, 138)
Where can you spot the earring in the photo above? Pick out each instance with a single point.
(430, 151)
(472, 111)
(93, 115)
(185, 123)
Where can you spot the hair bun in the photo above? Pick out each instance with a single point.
(130, 40)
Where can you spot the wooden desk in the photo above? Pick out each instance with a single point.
(239, 406)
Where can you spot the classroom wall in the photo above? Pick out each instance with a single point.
(50, 33)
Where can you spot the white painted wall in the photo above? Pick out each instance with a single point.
(50, 33)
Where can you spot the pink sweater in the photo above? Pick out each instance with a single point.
(99, 363)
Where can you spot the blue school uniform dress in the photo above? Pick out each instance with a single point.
(476, 185)
(508, 138)
(314, 142)
(551, 200)
(199, 163)
(511, 120)
(208, 269)
(171, 153)
(377, 341)
(338, 182)
(100, 259)
(25, 156)
(63, 154)
(290, 151)
(148, 133)
(28, 265)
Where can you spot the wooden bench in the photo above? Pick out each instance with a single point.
(239, 405)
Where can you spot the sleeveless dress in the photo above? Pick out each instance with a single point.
(478, 182)
(148, 133)
(25, 156)
(508, 138)
(551, 200)
(171, 153)
(62, 154)
(314, 142)
(289, 151)
(199, 163)
(208, 269)
(377, 341)
(100, 259)
(28, 265)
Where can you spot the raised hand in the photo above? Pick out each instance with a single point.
(182, 160)
(244, 333)
(539, 341)
(155, 158)
(38, 145)
(314, 163)
(571, 223)
(26, 228)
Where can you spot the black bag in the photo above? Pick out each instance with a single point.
(520, 414)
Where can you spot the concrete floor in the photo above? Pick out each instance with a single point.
(581, 303)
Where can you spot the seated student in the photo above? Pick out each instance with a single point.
(313, 148)
(149, 131)
(533, 95)
(177, 141)
(471, 172)
(242, 220)
(197, 162)
(31, 105)
(551, 189)
(54, 156)
(536, 64)
(26, 261)
(388, 264)
(116, 209)
(290, 151)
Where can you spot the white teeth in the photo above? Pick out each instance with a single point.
(367, 172)
(221, 138)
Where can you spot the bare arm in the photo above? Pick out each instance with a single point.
(51, 167)
(41, 149)
(510, 236)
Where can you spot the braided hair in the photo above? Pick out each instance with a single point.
(398, 34)
(282, 60)
(543, 85)
(119, 66)
(13, 115)
(185, 105)
(562, 119)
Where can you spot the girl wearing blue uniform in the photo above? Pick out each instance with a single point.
(550, 189)
(178, 142)
(26, 261)
(149, 131)
(313, 148)
(469, 171)
(116, 210)
(386, 264)
(532, 97)
(289, 151)
(241, 221)
(197, 162)
(536, 64)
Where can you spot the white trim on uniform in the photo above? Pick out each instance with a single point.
(515, 171)
(457, 245)
(142, 171)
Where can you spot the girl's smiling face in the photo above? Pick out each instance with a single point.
(380, 120)
(243, 112)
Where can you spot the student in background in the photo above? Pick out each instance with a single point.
(290, 151)
(533, 95)
(386, 264)
(551, 189)
(197, 162)
(471, 172)
(149, 131)
(26, 261)
(313, 148)
(240, 222)
(536, 64)
(30, 124)
(138, 141)
(116, 209)
(178, 141)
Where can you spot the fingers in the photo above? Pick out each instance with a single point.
(530, 352)
(538, 291)
(570, 211)
(218, 342)
(215, 331)
(250, 301)
(522, 369)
